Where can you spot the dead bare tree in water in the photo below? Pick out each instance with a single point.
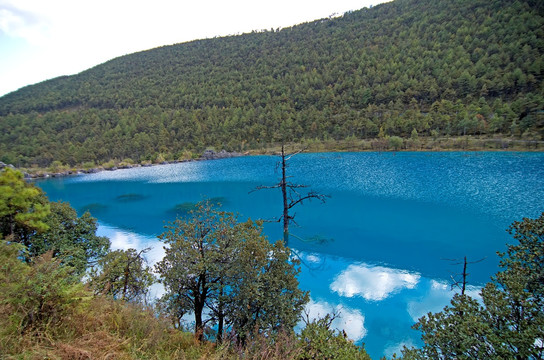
(461, 283)
(290, 193)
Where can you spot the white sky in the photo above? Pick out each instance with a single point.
(42, 39)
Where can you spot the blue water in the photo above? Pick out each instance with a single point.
(379, 251)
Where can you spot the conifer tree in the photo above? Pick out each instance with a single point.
(509, 322)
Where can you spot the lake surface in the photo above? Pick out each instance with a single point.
(381, 251)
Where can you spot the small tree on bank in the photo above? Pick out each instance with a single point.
(213, 262)
(123, 275)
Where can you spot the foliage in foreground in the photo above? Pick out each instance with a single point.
(45, 312)
(509, 322)
(29, 218)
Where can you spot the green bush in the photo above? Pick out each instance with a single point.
(319, 341)
(396, 143)
(36, 297)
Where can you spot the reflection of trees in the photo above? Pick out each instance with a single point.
(316, 239)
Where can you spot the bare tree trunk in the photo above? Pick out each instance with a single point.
(464, 277)
(199, 328)
(199, 303)
(289, 194)
(221, 316)
(285, 202)
(125, 285)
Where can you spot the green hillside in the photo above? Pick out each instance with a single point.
(439, 67)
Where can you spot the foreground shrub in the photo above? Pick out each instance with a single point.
(45, 312)
(319, 341)
(35, 298)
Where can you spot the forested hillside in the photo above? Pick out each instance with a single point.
(405, 68)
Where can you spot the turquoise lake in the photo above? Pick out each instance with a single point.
(379, 251)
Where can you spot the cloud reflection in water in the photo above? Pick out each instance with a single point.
(372, 283)
(349, 320)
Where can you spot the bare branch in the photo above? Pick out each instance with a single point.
(290, 155)
(292, 219)
(311, 195)
(273, 220)
(261, 187)
(295, 186)
(461, 261)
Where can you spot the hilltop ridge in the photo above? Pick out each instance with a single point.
(407, 68)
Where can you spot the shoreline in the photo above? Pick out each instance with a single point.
(44, 174)
(458, 144)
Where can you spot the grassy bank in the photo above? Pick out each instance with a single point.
(393, 143)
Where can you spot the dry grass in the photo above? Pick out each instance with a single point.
(104, 329)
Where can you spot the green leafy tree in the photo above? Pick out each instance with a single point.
(27, 217)
(262, 290)
(514, 301)
(396, 142)
(414, 135)
(71, 238)
(189, 269)
(23, 207)
(122, 274)
(510, 321)
(213, 262)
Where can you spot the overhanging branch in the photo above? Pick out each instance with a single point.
(309, 196)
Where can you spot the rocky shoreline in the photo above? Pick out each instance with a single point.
(206, 155)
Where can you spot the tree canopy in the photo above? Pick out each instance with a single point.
(23, 207)
(214, 262)
(122, 274)
(71, 239)
(439, 67)
(29, 218)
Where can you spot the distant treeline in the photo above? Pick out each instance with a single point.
(431, 68)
